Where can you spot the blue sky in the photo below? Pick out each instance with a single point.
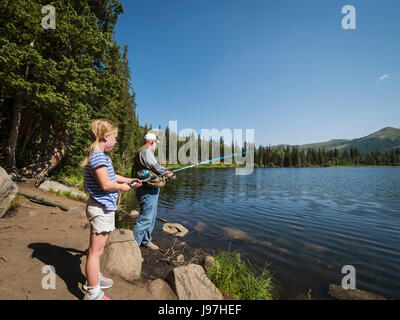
(286, 68)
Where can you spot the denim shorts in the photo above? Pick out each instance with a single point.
(101, 220)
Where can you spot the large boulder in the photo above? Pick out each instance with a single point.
(122, 255)
(175, 229)
(161, 290)
(8, 191)
(191, 283)
(340, 293)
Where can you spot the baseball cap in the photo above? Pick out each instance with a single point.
(150, 137)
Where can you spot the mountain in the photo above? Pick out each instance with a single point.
(383, 140)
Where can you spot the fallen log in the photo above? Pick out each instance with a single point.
(43, 200)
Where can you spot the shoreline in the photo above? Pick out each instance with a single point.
(34, 236)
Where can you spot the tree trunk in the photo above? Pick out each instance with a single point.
(31, 127)
(44, 138)
(13, 137)
(40, 151)
(39, 170)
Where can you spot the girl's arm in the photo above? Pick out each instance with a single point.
(122, 179)
(106, 184)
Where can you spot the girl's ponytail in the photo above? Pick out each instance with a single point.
(98, 129)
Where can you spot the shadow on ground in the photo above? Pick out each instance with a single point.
(66, 261)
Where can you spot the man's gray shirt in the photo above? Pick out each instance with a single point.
(148, 160)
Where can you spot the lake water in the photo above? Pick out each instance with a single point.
(305, 224)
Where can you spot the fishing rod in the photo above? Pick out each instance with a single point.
(188, 167)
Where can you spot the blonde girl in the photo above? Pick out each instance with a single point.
(103, 185)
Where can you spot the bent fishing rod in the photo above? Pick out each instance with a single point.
(191, 166)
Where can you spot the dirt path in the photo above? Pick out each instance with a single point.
(34, 235)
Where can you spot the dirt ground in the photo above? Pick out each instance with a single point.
(34, 235)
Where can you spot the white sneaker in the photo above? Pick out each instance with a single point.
(100, 296)
(105, 283)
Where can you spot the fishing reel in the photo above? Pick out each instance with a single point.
(143, 174)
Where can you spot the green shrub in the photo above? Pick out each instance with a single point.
(238, 280)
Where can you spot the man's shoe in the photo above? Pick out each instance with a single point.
(105, 283)
(152, 246)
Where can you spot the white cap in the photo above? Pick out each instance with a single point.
(151, 137)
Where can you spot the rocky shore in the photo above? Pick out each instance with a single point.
(34, 236)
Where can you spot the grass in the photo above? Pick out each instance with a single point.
(14, 204)
(236, 279)
(69, 195)
(71, 178)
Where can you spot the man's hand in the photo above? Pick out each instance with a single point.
(168, 175)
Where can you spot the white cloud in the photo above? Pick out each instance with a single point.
(384, 77)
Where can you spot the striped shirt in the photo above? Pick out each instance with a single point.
(92, 186)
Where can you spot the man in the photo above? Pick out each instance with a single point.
(147, 195)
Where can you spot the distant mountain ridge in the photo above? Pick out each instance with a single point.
(383, 140)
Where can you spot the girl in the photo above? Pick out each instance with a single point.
(103, 185)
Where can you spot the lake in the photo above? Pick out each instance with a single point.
(304, 224)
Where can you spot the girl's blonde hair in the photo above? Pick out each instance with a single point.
(98, 129)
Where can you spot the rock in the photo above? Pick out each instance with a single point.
(122, 255)
(134, 214)
(8, 191)
(314, 248)
(237, 234)
(352, 294)
(191, 283)
(55, 186)
(175, 229)
(180, 258)
(200, 226)
(209, 262)
(161, 290)
(284, 241)
(266, 243)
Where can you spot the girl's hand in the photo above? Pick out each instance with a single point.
(138, 182)
(124, 187)
(135, 180)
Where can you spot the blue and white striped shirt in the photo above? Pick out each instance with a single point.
(92, 186)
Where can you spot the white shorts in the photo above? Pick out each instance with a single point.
(101, 220)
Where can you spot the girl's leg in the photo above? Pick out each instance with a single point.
(96, 248)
